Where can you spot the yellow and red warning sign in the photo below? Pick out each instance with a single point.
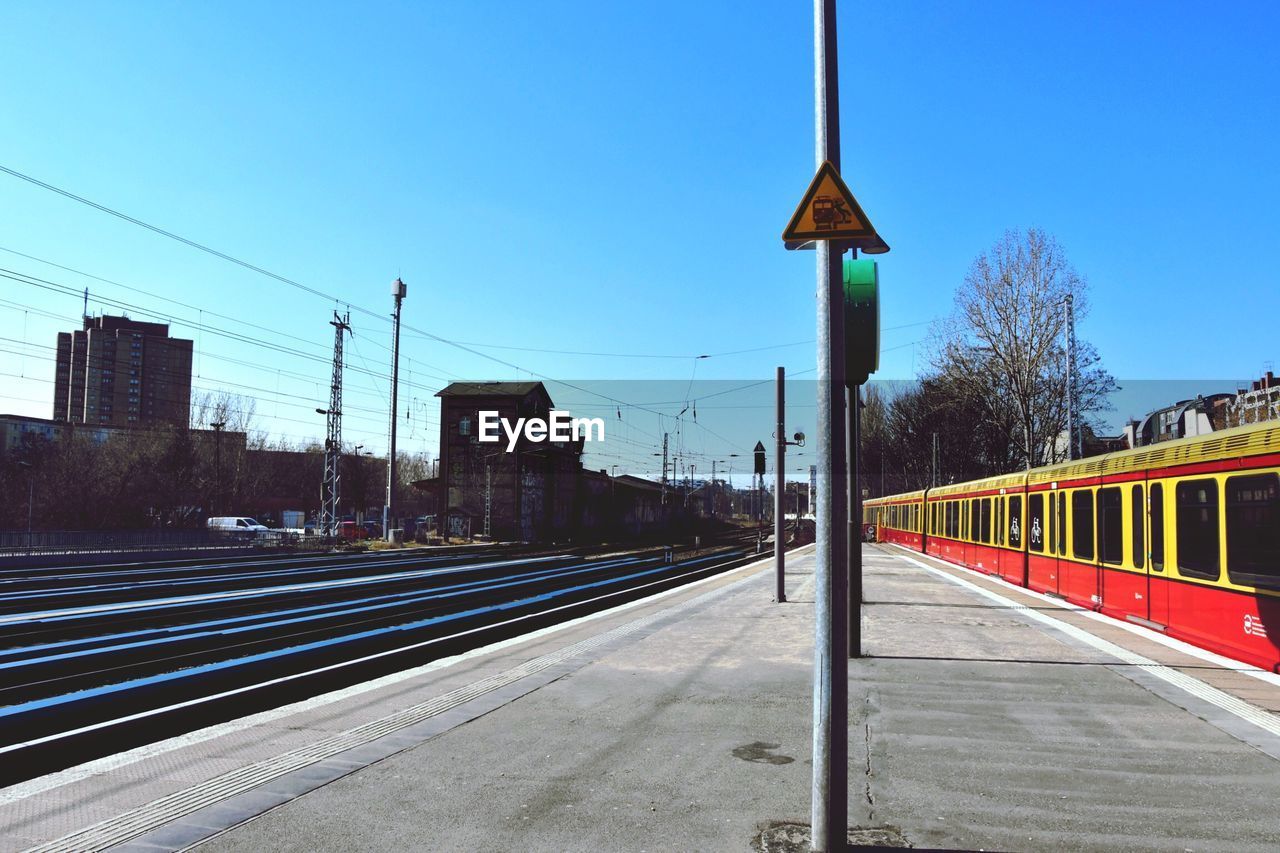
(829, 211)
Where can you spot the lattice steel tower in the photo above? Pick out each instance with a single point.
(329, 488)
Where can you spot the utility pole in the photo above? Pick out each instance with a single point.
(712, 512)
(398, 291)
(217, 466)
(853, 530)
(933, 479)
(330, 496)
(1074, 451)
(488, 497)
(831, 664)
(780, 467)
(665, 437)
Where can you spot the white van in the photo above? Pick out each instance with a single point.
(233, 525)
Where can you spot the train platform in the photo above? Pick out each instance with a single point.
(983, 717)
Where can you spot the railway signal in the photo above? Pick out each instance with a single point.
(861, 321)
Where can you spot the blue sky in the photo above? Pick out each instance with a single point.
(613, 178)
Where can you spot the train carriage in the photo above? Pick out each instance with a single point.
(897, 519)
(1182, 537)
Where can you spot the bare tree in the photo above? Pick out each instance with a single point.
(1004, 345)
(237, 412)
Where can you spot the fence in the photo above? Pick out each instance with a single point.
(38, 542)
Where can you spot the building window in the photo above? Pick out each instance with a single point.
(1137, 516)
(464, 425)
(1082, 524)
(1253, 530)
(1197, 528)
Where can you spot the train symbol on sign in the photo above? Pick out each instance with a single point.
(829, 211)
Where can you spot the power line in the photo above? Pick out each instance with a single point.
(293, 283)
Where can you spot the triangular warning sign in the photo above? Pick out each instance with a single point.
(828, 211)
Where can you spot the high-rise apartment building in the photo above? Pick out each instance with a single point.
(122, 372)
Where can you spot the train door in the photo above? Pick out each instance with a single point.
(1057, 537)
(1157, 569)
(1137, 526)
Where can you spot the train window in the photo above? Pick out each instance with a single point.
(1137, 516)
(984, 521)
(1253, 530)
(1082, 524)
(1036, 522)
(1015, 521)
(997, 527)
(1110, 526)
(1157, 527)
(1062, 525)
(1048, 525)
(975, 523)
(1196, 526)
(953, 520)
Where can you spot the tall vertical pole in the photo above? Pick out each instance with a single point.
(488, 498)
(398, 291)
(933, 480)
(664, 467)
(779, 483)
(712, 513)
(1068, 307)
(217, 466)
(853, 535)
(330, 488)
(830, 695)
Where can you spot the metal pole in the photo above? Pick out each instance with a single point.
(854, 416)
(830, 695)
(1074, 434)
(31, 499)
(217, 467)
(779, 481)
(398, 290)
(933, 480)
(488, 498)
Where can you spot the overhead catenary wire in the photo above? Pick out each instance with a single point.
(294, 283)
(410, 329)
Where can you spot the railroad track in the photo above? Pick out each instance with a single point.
(93, 661)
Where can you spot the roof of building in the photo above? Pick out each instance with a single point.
(638, 482)
(489, 389)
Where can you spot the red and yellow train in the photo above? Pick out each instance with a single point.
(1181, 537)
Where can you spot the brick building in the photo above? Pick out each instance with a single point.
(531, 493)
(121, 372)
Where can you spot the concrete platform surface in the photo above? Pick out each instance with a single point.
(984, 717)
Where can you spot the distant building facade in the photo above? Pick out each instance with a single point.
(120, 372)
(528, 494)
(1259, 402)
(19, 433)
